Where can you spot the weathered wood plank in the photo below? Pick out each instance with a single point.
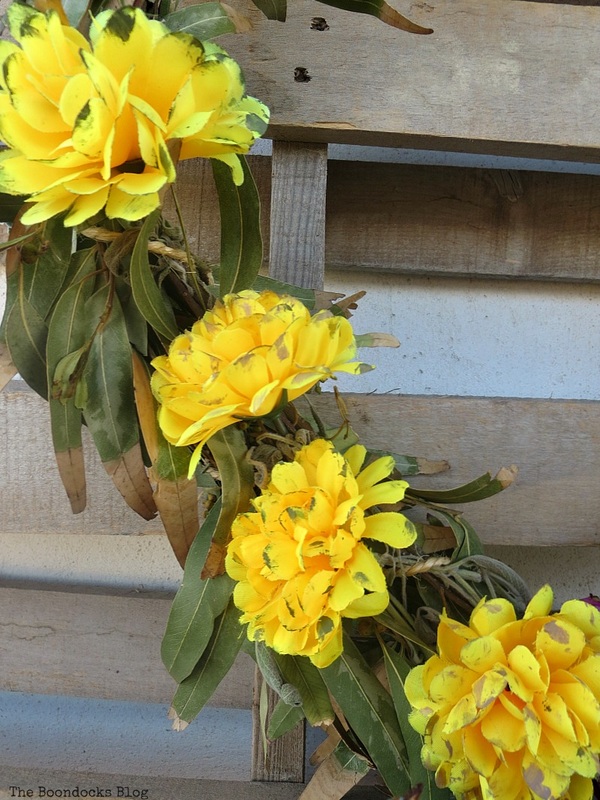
(496, 77)
(555, 443)
(299, 185)
(432, 220)
(454, 221)
(32, 498)
(298, 192)
(96, 646)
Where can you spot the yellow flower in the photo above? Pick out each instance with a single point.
(299, 559)
(242, 359)
(87, 123)
(510, 709)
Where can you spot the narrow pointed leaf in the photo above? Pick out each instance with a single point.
(176, 496)
(481, 488)
(396, 670)
(109, 408)
(43, 275)
(146, 293)
(370, 712)
(272, 9)
(308, 681)
(467, 541)
(283, 719)
(229, 450)
(204, 21)
(241, 237)
(196, 605)
(67, 331)
(25, 335)
(381, 10)
(215, 662)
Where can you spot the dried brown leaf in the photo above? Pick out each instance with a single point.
(215, 561)
(145, 406)
(427, 467)
(507, 475)
(437, 537)
(129, 476)
(72, 474)
(7, 368)
(177, 504)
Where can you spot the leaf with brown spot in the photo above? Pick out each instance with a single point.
(381, 10)
(177, 504)
(129, 476)
(71, 469)
(176, 496)
(7, 368)
(339, 772)
(109, 408)
(436, 538)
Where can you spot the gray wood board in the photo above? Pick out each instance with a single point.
(555, 443)
(495, 77)
(432, 220)
(96, 646)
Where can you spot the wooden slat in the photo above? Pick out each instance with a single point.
(298, 190)
(555, 443)
(431, 220)
(497, 76)
(299, 185)
(96, 646)
(32, 498)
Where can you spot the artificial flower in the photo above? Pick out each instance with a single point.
(299, 559)
(241, 359)
(88, 124)
(510, 709)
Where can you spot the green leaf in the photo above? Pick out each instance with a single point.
(67, 335)
(371, 714)
(204, 21)
(25, 336)
(137, 326)
(283, 719)
(147, 295)
(108, 375)
(215, 662)
(467, 541)
(43, 277)
(479, 489)
(379, 9)
(195, 607)
(241, 237)
(10, 207)
(306, 296)
(307, 679)
(396, 670)
(229, 450)
(272, 9)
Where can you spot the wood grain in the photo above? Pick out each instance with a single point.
(298, 200)
(96, 646)
(555, 444)
(496, 76)
(431, 220)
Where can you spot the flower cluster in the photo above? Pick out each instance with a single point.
(510, 709)
(299, 558)
(87, 123)
(242, 359)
